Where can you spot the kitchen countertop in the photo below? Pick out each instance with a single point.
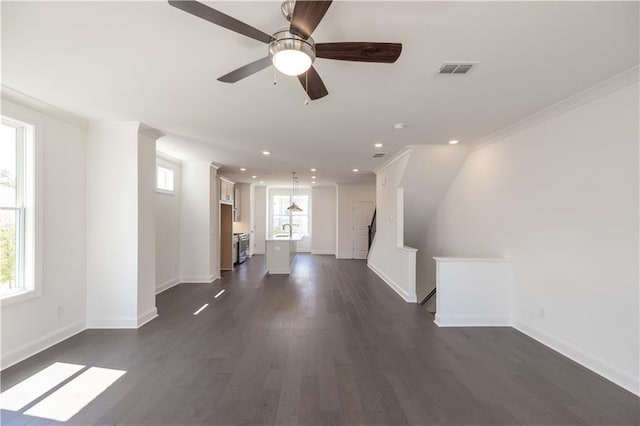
(293, 238)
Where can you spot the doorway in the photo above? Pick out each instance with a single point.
(362, 213)
(226, 237)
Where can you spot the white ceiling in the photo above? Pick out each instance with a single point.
(151, 62)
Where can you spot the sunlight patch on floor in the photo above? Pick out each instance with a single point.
(37, 385)
(202, 308)
(67, 401)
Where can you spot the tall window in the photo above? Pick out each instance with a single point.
(280, 216)
(15, 216)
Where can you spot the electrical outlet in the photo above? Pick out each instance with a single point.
(541, 312)
(60, 311)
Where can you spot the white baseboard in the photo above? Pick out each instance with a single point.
(594, 363)
(258, 252)
(167, 285)
(279, 272)
(467, 321)
(186, 280)
(27, 350)
(112, 323)
(147, 316)
(343, 256)
(409, 298)
(329, 252)
(198, 279)
(127, 322)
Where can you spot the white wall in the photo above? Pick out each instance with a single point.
(146, 224)
(389, 258)
(260, 218)
(347, 194)
(199, 223)
(561, 199)
(323, 220)
(214, 222)
(426, 179)
(474, 292)
(112, 223)
(30, 326)
(168, 229)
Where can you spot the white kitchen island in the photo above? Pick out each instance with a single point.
(280, 254)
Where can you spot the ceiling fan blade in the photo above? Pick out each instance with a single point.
(205, 12)
(307, 15)
(313, 84)
(245, 71)
(360, 52)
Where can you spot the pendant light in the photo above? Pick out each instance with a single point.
(293, 207)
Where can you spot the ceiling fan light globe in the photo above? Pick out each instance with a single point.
(291, 54)
(291, 62)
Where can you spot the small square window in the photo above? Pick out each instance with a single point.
(164, 179)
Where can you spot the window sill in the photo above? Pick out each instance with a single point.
(18, 297)
(165, 191)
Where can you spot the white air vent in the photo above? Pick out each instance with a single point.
(456, 68)
(379, 154)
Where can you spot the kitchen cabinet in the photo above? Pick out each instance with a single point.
(281, 254)
(236, 205)
(226, 190)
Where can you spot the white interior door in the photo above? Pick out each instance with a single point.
(362, 212)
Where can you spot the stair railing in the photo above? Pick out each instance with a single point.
(372, 228)
(429, 296)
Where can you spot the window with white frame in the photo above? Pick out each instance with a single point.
(17, 208)
(280, 216)
(164, 177)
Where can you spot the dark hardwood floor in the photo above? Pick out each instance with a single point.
(329, 345)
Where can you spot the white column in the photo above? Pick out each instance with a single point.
(199, 223)
(120, 224)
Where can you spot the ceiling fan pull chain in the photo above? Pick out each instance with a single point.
(275, 76)
(306, 88)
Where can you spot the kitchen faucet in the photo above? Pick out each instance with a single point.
(290, 229)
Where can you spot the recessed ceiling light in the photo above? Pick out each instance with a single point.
(377, 145)
(400, 126)
(261, 181)
(313, 177)
(453, 142)
(266, 152)
(313, 170)
(355, 170)
(254, 177)
(313, 181)
(243, 169)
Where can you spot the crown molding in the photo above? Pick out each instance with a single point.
(114, 125)
(150, 131)
(397, 156)
(22, 99)
(610, 85)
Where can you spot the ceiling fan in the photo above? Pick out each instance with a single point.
(292, 50)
